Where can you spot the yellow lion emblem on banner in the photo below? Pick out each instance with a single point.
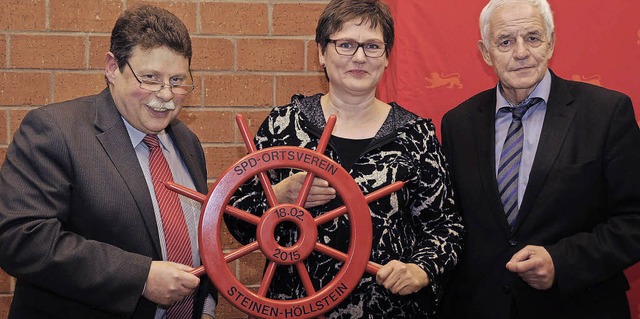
(436, 80)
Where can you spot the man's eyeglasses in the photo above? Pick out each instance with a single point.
(349, 47)
(155, 86)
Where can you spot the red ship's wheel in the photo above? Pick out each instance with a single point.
(215, 205)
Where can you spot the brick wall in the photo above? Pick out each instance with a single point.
(248, 57)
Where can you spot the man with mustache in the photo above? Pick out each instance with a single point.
(547, 174)
(86, 224)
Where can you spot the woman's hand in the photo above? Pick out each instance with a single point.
(288, 189)
(401, 278)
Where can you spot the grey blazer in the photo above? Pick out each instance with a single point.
(77, 226)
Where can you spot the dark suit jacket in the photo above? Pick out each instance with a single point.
(77, 226)
(582, 203)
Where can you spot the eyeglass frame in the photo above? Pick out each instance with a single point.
(163, 85)
(360, 45)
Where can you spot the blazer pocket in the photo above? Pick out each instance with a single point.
(576, 178)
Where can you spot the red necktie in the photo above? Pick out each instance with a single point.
(173, 222)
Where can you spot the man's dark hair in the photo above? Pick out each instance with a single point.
(148, 27)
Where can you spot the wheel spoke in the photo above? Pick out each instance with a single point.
(198, 271)
(326, 134)
(244, 132)
(382, 192)
(306, 280)
(371, 267)
(241, 252)
(195, 195)
(251, 147)
(322, 146)
(242, 215)
(331, 252)
(266, 280)
(331, 215)
(306, 187)
(268, 189)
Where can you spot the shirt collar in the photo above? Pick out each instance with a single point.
(136, 135)
(542, 91)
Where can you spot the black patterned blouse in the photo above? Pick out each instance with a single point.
(418, 224)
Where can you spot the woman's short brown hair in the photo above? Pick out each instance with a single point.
(338, 12)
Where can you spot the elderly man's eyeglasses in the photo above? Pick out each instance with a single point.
(349, 47)
(175, 84)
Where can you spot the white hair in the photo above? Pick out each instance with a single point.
(485, 16)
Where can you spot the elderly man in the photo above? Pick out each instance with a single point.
(547, 173)
(86, 225)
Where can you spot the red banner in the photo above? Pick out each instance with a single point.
(435, 63)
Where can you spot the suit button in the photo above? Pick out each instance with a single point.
(506, 289)
(513, 242)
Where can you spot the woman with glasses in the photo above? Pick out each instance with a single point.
(417, 232)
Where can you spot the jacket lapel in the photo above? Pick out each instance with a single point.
(182, 141)
(116, 142)
(557, 120)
